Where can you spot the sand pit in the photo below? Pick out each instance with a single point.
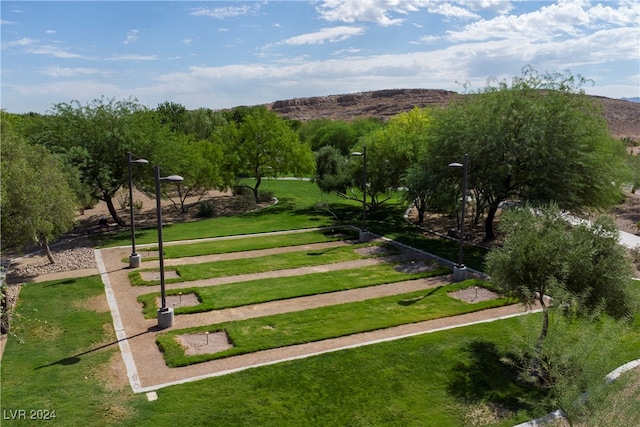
(204, 343)
(474, 294)
(184, 300)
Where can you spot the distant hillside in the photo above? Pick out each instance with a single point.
(635, 99)
(622, 116)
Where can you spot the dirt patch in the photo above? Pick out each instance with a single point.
(483, 414)
(150, 276)
(474, 294)
(112, 375)
(180, 300)
(97, 303)
(204, 343)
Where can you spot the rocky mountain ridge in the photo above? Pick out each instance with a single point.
(622, 116)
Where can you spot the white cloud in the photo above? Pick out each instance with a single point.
(627, 13)
(54, 51)
(549, 22)
(329, 35)
(363, 11)
(187, 41)
(71, 72)
(50, 32)
(450, 10)
(132, 57)
(497, 6)
(224, 12)
(381, 11)
(22, 42)
(81, 90)
(132, 36)
(347, 51)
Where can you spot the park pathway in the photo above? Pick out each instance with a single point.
(145, 365)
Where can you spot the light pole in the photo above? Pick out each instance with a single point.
(134, 258)
(364, 234)
(165, 314)
(459, 270)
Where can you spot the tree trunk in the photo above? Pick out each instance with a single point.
(544, 331)
(256, 194)
(543, 334)
(488, 222)
(113, 211)
(421, 207)
(44, 244)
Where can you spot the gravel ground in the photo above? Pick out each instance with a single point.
(67, 259)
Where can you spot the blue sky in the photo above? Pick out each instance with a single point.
(221, 54)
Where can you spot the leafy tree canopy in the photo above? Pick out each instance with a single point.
(99, 135)
(538, 139)
(263, 144)
(36, 201)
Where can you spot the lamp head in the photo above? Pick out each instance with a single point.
(172, 178)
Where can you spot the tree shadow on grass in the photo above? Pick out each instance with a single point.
(72, 360)
(483, 377)
(410, 301)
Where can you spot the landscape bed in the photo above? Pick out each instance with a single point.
(231, 295)
(316, 324)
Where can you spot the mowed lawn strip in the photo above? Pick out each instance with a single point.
(66, 365)
(317, 324)
(264, 290)
(255, 242)
(207, 270)
(58, 355)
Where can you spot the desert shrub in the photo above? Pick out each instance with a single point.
(206, 210)
(137, 205)
(266, 196)
(122, 196)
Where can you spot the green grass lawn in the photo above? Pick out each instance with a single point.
(296, 209)
(263, 290)
(316, 324)
(255, 242)
(207, 270)
(61, 352)
(437, 379)
(58, 353)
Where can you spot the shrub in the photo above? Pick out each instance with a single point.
(137, 205)
(266, 196)
(206, 210)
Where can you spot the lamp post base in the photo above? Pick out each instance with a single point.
(165, 318)
(459, 272)
(134, 260)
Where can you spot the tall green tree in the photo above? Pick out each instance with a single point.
(572, 366)
(538, 139)
(339, 134)
(263, 144)
(36, 201)
(581, 267)
(100, 134)
(199, 162)
(391, 150)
